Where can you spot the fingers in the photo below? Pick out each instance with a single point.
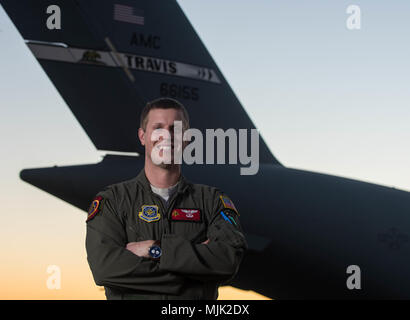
(206, 241)
(140, 248)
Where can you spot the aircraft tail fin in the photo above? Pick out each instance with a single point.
(110, 57)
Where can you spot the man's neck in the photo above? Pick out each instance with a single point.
(162, 177)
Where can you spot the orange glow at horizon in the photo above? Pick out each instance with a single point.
(34, 236)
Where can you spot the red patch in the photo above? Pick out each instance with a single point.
(94, 208)
(186, 215)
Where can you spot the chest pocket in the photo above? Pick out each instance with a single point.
(189, 223)
(145, 222)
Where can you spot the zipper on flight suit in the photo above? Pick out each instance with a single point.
(165, 219)
(171, 207)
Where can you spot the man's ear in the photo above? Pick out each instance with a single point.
(141, 136)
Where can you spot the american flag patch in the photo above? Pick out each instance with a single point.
(128, 14)
(228, 203)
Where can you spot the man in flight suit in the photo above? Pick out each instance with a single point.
(158, 236)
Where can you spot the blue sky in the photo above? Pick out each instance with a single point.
(324, 98)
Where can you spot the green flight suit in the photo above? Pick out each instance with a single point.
(129, 211)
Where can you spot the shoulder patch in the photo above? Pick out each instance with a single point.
(227, 202)
(94, 207)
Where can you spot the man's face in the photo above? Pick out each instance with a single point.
(158, 137)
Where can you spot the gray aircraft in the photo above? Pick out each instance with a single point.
(305, 230)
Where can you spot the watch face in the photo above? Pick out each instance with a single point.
(155, 252)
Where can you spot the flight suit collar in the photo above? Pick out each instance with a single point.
(144, 182)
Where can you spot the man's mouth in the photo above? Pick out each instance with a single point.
(165, 146)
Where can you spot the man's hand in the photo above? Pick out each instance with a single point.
(140, 248)
(206, 241)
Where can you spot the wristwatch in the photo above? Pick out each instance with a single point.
(155, 251)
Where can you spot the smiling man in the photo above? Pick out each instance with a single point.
(158, 236)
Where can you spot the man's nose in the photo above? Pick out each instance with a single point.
(166, 136)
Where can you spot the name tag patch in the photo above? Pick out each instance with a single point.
(186, 215)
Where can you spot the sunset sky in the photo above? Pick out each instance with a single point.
(325, 99)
